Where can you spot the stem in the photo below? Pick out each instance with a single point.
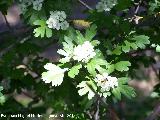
(87, 6)
(96, 116)
(100, 99)
(8, 25)
(137, 9)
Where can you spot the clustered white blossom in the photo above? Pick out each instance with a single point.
(106, 82)
(54, 74)
(57, 20)
(37, 5)
(81, 53)
(105, 5)
(84, 52)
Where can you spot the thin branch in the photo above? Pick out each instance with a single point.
(102, 100)
(8, 25)
(96, 116)
(89, 114)
(98, 96)
(87, 6)
(137, 9)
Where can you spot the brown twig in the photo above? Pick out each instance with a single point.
(8, 25)
(87, 6)
(101, 99)
(137, 9)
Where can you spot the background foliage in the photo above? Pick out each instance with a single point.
(125, 39)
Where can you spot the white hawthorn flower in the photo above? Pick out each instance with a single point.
(61, 15)
(54, 74)
(112, 81)
(53, 23)
(26, 2)
(23, 5)
(105, 5)
(106, 82)
(84, 52)
(22, 8)
(37, 4)
(64, 25)
(57, 20)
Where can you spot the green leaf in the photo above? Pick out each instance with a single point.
(42, 30)
(153, 5)
(94, 63)
(117, 51)
(84, 89)
(111, 68)
(123, 88)
(2, 97)
(67, 51)
(95, 42)
(141, 40)
(48, 32)
(68, 42)
(91, 67)
(90, 32)
(116, 92)
(158, 48)
(74, 70)
(80, 38)
(122, 66)
(134, 46)
(127, 91)
(126, 48)
(1, 88)
(123, 80)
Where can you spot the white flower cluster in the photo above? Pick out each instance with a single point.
(54, 74)
(81, 53)
(37, 5)
(84, 52)
(106, 82)
(57, 20)
(105, 5)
